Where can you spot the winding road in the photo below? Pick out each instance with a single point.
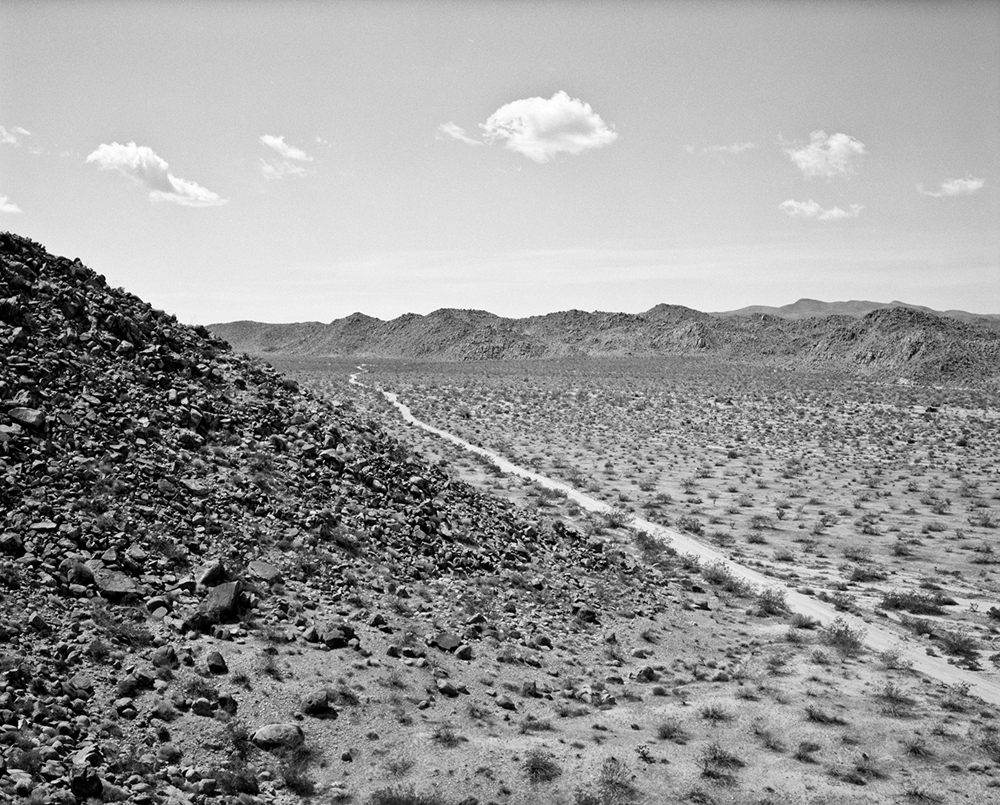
(877, 637)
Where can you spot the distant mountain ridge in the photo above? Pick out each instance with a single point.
(811, 308)
(890, 341)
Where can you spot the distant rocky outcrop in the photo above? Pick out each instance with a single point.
(885, 342)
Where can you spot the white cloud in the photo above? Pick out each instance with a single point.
(827, 156)
(734, 148)
(456, 132)
(955, 187)
(276, 168)
(6, 205)
(14, 136)
(141, 164)
(283, 148)
(279, 167)
(811, 209)
(539, 128)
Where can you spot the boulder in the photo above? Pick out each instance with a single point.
(278, 736)
(222, 603)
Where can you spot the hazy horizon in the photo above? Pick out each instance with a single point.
(301, 161)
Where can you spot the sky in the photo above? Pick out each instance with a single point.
(300, 161)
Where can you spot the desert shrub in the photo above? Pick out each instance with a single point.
(718, 763)
(541, 767)
(805, 750)
(616, 517)
(957, 643)
(400, 766)
(690, 524)
(294, 766)
(715, 713)
(672, 729)
(893, 659)
(917, 603)
(800, 621)
(865, 573)
(819, 716)
(718, 573)
(839, 635)
(126, 625)
(771, 601)
(445, 735)
(767, 736)
(984, 518)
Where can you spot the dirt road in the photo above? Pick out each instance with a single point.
(877, 637)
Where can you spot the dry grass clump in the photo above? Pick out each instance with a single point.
(541, 766)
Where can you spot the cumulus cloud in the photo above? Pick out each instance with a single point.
(734, 148)
(141, 164)
(6, 205)
(954, 187)
(811, 209)
(456, 132)
(14, 136)
(288, 165)
(827, 156)
(283, 148)
(540, 129)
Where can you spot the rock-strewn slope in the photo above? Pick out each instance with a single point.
(888, 343)
(156, 487)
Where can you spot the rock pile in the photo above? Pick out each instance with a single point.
(156, 486)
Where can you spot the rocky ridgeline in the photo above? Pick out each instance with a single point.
(886, 343)
(157, 486)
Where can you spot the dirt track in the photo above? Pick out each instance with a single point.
(877, 637)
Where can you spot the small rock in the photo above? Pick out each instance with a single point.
(28, 417)
(165, 657)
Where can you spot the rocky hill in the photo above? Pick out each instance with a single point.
(885, 343)
(218, 587)
(168, 504)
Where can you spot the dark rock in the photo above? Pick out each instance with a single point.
(317, 703)
(11, 545)
(222, 603)
(216, 663)
(337, 635)
(446, 641)
(85, 782)
(165, 657)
